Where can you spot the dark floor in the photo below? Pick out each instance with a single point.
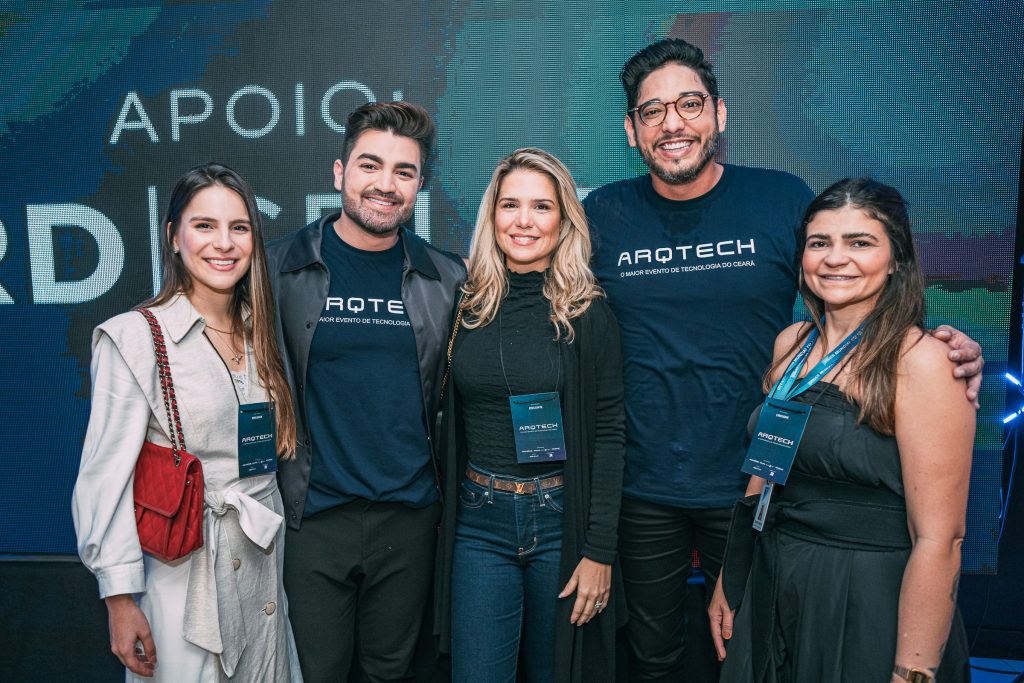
(54, 628)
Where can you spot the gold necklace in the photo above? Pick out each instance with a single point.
(237, 360)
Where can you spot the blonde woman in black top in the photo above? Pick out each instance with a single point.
(529, 534)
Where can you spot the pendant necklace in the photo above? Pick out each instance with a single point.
(237, 360)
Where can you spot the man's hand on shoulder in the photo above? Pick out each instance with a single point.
(966, 353)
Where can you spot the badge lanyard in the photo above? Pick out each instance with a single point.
(784, 388)
(257, 429)
(536, 418)
(781, 423)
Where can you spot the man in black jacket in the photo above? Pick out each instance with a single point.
(363, 311)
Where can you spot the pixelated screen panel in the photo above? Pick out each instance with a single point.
(105, 106)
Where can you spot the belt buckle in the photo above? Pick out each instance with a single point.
(520, 486)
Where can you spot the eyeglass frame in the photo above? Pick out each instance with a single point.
(704, 96)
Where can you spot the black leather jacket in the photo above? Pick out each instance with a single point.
(300, 280)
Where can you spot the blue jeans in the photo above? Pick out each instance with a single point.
(505, 582)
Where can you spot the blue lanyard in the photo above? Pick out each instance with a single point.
(784, 388)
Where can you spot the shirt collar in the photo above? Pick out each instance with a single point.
(179, 316)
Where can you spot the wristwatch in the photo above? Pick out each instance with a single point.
(913, 675)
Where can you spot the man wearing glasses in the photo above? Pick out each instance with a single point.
(698, 259)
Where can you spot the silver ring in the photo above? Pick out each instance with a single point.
(598, 604)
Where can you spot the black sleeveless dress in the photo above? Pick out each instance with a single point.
(822, 596)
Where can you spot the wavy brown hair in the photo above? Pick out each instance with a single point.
(403, 119)
(901, 306)
(252, 292)
(569, 284)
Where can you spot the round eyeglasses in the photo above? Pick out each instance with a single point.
(688, 106)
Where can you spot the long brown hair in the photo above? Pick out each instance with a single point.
(569, 284)
(252, 292)
(900, 307)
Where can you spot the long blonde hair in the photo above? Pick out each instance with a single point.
(569, 283)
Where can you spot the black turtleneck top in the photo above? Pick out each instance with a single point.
(525, 336)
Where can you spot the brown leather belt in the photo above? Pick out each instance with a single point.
(526, 487)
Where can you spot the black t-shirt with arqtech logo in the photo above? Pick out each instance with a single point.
(700, 288)
(363, 391)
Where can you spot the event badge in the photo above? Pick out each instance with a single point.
(537, 422)
(781, 423)
(257, 445)
(773, 448)
(776, 439)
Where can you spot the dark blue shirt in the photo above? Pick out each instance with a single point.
(363, 394)
(700, 288)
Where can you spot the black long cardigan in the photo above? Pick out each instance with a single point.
(594, 441)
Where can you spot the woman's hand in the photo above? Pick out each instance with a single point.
(721, 619)
(592, 583)
(128, 628)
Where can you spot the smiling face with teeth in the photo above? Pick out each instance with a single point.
(214, 241)
(679, 152)
(527, 220)
(379, 182)
(847, 259)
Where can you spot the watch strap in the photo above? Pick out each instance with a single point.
(913, 675)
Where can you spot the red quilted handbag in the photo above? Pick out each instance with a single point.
(168, 481)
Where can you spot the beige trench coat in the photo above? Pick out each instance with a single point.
(221, 611)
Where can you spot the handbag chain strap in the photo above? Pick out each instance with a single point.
(166, 385)
(451, 348)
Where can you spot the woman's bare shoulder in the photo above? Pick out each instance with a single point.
(788, 337)
(923, 355)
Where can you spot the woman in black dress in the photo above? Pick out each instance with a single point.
(854, 576)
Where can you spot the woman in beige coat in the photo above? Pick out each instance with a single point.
(220, 611)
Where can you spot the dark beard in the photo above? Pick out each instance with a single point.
(369, 221)
(685, 175)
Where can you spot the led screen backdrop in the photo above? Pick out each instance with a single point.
(106, 103)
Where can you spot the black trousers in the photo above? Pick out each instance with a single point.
(358, 578)
(656, 544)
